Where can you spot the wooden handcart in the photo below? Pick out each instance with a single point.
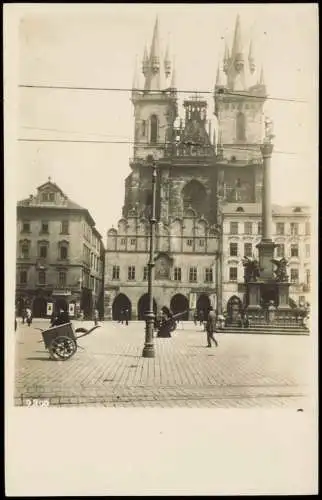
(61, 340)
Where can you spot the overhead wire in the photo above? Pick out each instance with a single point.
(194, 91)
(144, 144)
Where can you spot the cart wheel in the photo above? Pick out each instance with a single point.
(62, 348)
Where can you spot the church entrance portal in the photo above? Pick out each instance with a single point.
(179, 303)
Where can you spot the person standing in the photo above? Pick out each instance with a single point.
(211, 327)
(195, 317)
(126, 316)
(95, 317)
(28, 316)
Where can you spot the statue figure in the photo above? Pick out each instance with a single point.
(280, 271)
(251, 267)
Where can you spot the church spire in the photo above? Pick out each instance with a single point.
(251, 59)
(226, 58)
(167, 62)
(145, 62)
(261, 78)
(173, 79)
(155, 48)
(237, 48)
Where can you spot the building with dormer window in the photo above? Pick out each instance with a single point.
(60, 255)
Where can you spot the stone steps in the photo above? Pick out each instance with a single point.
(268, 329)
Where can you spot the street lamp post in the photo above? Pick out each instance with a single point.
(148, 350)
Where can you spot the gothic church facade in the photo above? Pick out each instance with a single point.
(198, 171)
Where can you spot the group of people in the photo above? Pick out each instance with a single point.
(124, 316)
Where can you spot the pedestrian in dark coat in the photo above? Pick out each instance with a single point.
(211, 327)
(126, 316)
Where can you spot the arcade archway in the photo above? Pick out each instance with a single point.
(143, 306)
(203, 304)
(179, 303)
(120, 303)
(39, 307)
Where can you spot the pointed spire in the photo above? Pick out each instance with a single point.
(167, 62)
(226, 58)
(173, 79)
(219, 82)
(251, 59)
(145, 62)
(237, 48)
(155, 47)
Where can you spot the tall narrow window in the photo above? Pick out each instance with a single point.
(62, 278)
(234, 228)
(193, 274)
(154, 129)
(23, 277)
(280, 250)
(63, 252)
(43, 252)
(42, 277)
(116, 273)
(25, 251)
(145, 273)
(248, 227)
(240, 127)
(233, 249)
(131, 273)
(65, 227)
(294, 250)
(308, 277)
(294, 275)
(233, 274)
(208, 275)
(177, 274)
(248, 250)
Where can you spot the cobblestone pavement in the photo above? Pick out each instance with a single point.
(108, 370)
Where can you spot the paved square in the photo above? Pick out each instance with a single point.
(108, 369)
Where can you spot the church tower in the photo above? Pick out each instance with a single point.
(155, 110)
(240, 95)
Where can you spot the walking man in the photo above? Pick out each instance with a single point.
(96, 317)
(126, 316)
(211, 327)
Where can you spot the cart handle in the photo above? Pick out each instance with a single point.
(88, 332)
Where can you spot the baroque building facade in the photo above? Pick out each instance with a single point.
(60, 255)
(241, 234)
(202, 171)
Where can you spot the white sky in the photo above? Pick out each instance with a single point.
(96, 45)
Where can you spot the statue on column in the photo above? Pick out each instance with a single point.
(251, 268)
(280, 271)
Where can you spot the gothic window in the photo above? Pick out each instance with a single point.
(154, 129)
(240, 127)
(194, 195)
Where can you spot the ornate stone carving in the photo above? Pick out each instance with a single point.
(280, 271)
(251, 269)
